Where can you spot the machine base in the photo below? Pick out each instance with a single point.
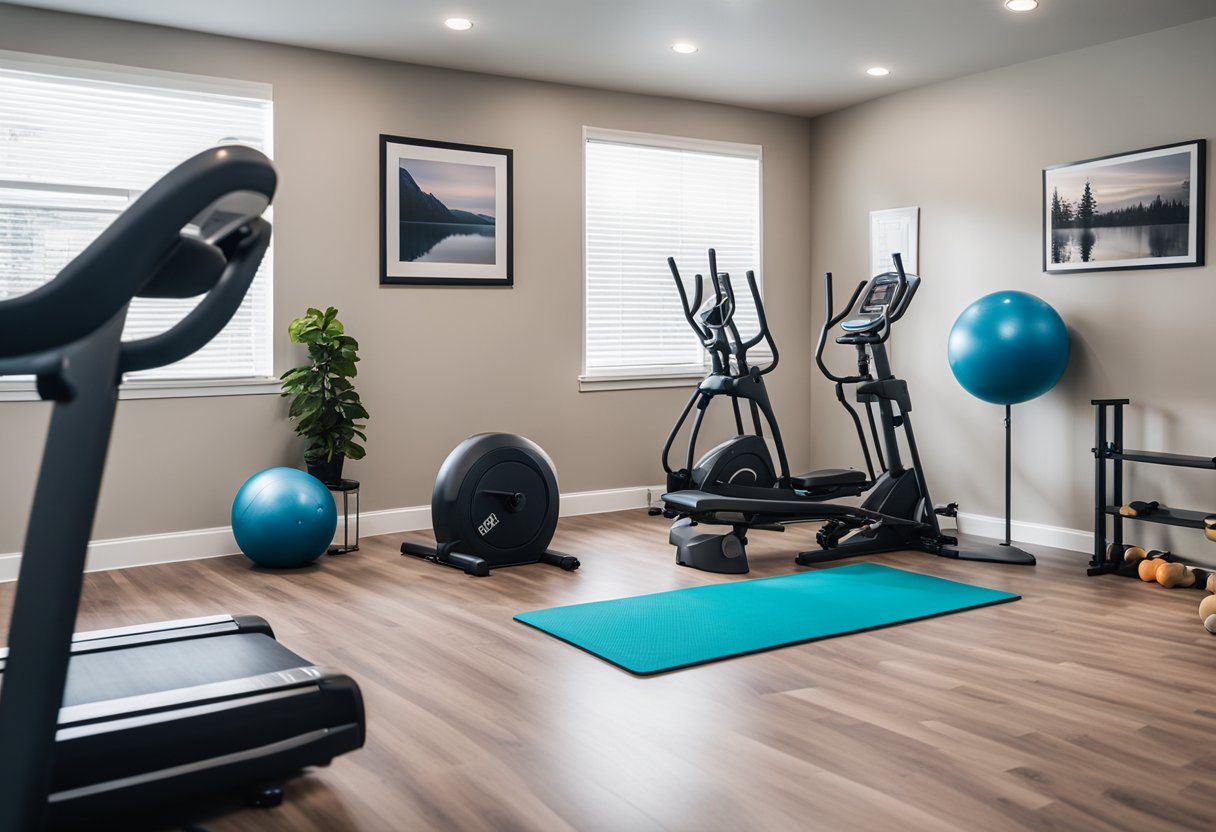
(990, 553)
(724, 554)
(480, 567)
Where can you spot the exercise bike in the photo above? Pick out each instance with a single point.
(735, 483)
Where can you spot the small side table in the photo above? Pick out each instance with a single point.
(346, 488)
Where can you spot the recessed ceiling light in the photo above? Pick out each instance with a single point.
(1021, 5)
(458, 23)
(878, 71)
(684, 48)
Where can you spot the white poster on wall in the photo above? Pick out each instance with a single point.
(894, 230)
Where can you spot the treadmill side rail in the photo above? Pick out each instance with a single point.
(196, 695)
(87, 641)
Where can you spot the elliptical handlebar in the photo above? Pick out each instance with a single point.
(716, 327)
(733, 341)
(901, 298)
(906, 291)
(829, 322)
(724, 305)
(763, 333)
(696, 300)
(892, 311)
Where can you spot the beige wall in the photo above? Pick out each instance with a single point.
(970, 154)
(443, 363)
(438, 364)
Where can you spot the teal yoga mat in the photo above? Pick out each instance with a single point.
(669, 630)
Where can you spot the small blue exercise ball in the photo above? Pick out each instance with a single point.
(1008, 347)
(283, 518)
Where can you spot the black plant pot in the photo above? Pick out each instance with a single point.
(327, 472)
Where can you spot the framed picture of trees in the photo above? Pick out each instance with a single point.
(1137, 210)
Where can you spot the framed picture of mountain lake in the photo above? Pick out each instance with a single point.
(1138, 210)
(445, 213)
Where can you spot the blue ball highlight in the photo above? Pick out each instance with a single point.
(283, 518)
(1008, 347)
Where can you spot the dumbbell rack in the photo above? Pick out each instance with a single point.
(1108, 447)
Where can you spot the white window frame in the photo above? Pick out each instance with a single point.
(23, 389)
(646, 378)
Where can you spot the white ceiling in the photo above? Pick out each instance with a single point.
(795, 56)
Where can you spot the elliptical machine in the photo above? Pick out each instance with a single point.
(744, 462)
(897, 512)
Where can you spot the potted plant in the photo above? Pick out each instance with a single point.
(324, 404)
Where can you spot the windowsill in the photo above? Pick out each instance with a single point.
(634, 381)
(164, 389)
(640, 379)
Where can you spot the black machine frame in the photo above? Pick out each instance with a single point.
(1109, 458)
(495, 503)
(149, 737)
(896, 512)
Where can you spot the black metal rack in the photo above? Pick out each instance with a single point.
(346, 488)
(1108, 447)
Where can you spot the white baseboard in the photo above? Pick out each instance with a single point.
(123, 552)
(1020, 531)
(388, 521)
(145, 550)
(612, 499)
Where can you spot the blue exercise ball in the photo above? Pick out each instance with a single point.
(1008, 347)
(283, 518)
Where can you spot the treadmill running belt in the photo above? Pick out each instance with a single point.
(152, 668)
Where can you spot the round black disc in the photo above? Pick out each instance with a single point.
(496, 498)
(494, 522)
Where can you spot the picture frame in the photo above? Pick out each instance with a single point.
(1143, 209)
(895, 230)
(445, 213)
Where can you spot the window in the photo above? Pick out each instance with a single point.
(648, 198)
(78, 142)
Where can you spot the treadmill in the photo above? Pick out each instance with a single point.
(120, 722)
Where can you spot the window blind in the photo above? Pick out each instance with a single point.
(79, 142)
(647, 199)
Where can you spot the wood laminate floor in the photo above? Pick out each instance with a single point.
(1090, 704)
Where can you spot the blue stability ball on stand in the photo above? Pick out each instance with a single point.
(1008, 347)
(283, 518)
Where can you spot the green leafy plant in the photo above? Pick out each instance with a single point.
(324, 404)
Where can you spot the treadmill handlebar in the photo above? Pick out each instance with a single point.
(133, 255)
(212, 313)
